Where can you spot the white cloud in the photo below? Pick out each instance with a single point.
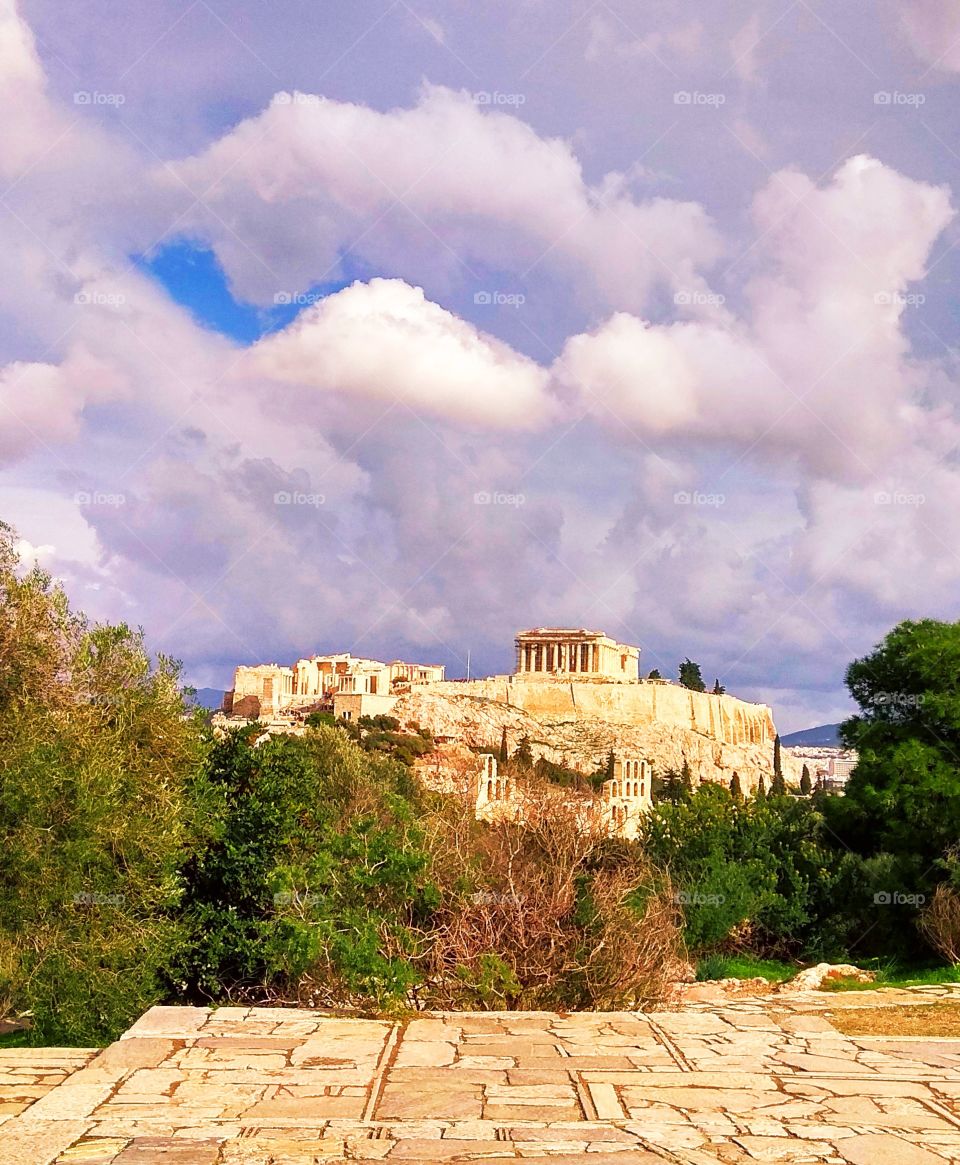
(385, 340)
(744, 46)
(610, 38)
(819, 368)
(461, 184)
(41, 404)
(933, 29)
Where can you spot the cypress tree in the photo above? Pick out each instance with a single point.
(805, 783)
(523, 757)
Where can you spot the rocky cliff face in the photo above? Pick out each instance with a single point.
(582, 741)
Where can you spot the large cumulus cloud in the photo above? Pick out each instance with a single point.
(385, 340)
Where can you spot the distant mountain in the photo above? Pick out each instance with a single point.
(211, 698)
(825, 736)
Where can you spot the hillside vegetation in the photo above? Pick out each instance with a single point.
(145, 860)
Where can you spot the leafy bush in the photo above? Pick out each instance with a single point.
(320, 720)
(311, 879)
(95, 751)
(756, 873)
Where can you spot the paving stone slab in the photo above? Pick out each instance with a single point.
(755, 1079)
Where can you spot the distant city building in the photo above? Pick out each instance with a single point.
(839, 768)
(829, 767)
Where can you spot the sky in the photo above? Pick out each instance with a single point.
(397, 327)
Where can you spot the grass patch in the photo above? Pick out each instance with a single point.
(892, 975)
(18, 1038)
(934, 1019)
(744, 967)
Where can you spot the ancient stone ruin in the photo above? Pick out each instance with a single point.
(575, 694)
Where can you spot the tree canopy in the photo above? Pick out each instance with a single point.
(691, 677)
(904, 794)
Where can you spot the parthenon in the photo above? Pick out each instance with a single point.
(574, 651)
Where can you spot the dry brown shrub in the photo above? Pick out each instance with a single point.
(940, 922)
(538, 915)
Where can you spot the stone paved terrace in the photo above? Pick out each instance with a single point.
(737, 1080)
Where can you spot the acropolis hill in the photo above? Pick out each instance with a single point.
(575, 694)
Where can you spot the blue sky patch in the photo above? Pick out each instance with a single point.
(192, 276)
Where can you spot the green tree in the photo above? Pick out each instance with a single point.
(523, 755)
(761, 793)
(97, 747)
(690, 676)
(904, 795)
(673, 787)
(777, 759)
(718, 688)
(655, 675)
(736, 790)
(504, 754)
(806, 786)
